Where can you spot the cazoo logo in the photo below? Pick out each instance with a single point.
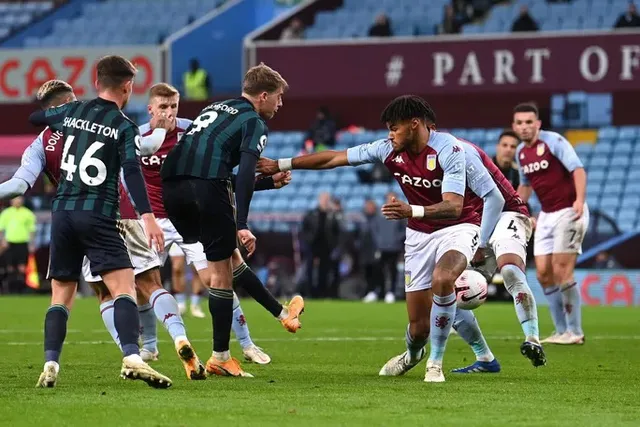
(416, 181)
(535, 166)
(153, 160)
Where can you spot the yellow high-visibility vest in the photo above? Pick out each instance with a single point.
(195, 85)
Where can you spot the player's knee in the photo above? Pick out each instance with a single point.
(147, 283)
(443, 281)
(545, 277)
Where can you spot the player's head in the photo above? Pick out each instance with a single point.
(506, 147)
(164, 99)
(264, 87)
(407, 117)
(324, 201)
(17, 202)
(370, 207)
(526, 122)
(54, 93)
(115, 76)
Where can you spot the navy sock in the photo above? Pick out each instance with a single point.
(221, 309)
(55, 331)
(244, 277)
(127, 322)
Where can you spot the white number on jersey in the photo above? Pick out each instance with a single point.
(69, 166)
(202, 121)
(262, 143)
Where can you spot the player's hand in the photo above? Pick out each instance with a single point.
(161, 121)
(479, 258)
(578, 208)
(396, 210)
(281, 179)
(248, 240)
(267, 166)
(154, 232)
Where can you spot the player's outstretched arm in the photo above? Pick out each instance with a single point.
(323, 160)
(52, 116)
(449, 208)
(31, 166)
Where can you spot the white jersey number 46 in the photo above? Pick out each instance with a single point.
(69, 166)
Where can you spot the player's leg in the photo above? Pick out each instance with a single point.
(105, 247)
(196, 257)
(288, 315)
(542, 251)
(466, 325)
(64, 268)
(455, 247)
(419, 258)
(419, 304)
(567, 245)
(178, 277)
(196, 290)
(104, 299)
(201, 211)
(509, 243)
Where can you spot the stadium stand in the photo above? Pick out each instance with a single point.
(417, 17)
(124, 23)
(15, 16)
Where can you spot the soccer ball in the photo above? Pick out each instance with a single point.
(471, 290)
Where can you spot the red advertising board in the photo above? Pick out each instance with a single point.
(596, 62)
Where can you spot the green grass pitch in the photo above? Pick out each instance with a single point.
(325, 375)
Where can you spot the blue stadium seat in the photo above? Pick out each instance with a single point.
(584, 150)
(632, 189)
(491, 135)
(280, 204)
(345, 138)
(612, 189)
(609, 203)
(592, 201)
(354, 204)
(623, 146)
(635, 162)
(627, 225)
(627, 215)
(628, 132)
(342, 190)
(608, 133)
(351, 177)
(616, 175)
(477, 136)
(630, 203)
(596, 175)
(620, 161)
(305, 190)
(598, 161)
(261, 226)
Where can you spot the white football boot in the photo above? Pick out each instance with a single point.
(399, 365)
(197, 312)
(434, 373)
(570, 338)
(255, 354)
(552, 339)
(49, 375)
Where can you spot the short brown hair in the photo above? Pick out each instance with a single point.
(262, 78)
(52, 91)
(162, 90)
(114, 70)
(510, 133)
(526, 107)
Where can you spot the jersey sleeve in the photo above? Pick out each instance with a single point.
(129, 143)
(33, 162)
(563, 150)
(478, 178)
(453, 163)
(254, 136)
(52, 117)
(373, 152)
(523, 178)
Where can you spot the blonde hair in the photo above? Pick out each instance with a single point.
(262, 78)
(162, 90)
(50, 91)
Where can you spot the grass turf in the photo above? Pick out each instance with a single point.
(326, 374)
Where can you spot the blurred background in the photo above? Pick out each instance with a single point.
(473, 60)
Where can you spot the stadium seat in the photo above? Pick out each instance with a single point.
(632, 189)
(598, 161)
(609, 203)
(635, 162)
(491, 135)
(613, 188)
(584, 150)
(608, 133)
(616, 175)
(628, 132)
(626, 225)
(631, 203)
(623, 147)
(620, 161)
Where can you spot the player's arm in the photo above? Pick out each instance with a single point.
(374, 152)
(262, 182)
(524, 188)
(254, 139)
(151, 143)
(563, 150)
(482, 184)
(31, 166)
(52, 117)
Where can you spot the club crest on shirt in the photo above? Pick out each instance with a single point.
(540, 150)
(431, 162)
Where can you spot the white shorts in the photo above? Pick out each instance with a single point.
(143, 258)
(557, 232)
(422, 251)
(511, 235)
(194, 252)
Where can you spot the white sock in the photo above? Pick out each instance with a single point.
(148, 328)
(167, 312)
(106, 311)
(284, 313)
(222, 356)
(515, 282)
(239, 325)
(195, 299)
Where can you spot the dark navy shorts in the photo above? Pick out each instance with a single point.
(75, 234)
(202, 210)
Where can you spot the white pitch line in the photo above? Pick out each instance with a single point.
(335, 339)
